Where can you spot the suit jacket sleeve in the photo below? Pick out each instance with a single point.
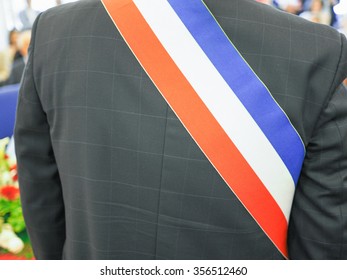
(318, 225)
(39, 180)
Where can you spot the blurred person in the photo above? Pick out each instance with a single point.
(19, 64)
(317, 13)
(28, 16)
(328, 9)
(333, 16)
(290, 6)
(267, 2)
(123, 155)
(13, 39)
(8, 55)
(4, 68)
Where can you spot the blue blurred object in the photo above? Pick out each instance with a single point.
(8, 104)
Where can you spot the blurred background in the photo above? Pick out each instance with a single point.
(12, 14)
(16, 20)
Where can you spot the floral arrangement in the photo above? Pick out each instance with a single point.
(11, 217)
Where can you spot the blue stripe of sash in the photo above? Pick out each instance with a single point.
(243, 81)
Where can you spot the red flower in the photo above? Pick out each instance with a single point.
(13, 167)
(14, 174)
(10, 192)
(12, 257)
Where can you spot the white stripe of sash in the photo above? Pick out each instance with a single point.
(220, 100)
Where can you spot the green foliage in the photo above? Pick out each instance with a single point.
(10, 204)
(11, 211)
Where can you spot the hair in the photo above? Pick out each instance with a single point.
(10, 34)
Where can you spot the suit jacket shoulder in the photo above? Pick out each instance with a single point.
(300, 62)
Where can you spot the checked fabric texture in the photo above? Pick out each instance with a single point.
(107, 171)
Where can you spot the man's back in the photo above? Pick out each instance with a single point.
(119, 176)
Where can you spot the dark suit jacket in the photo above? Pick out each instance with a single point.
(107, 171)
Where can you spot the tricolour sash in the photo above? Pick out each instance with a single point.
(222, 103)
